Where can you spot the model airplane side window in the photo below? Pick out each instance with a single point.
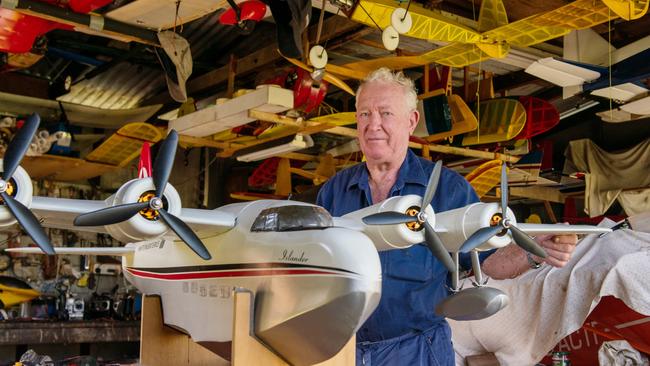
(292, 218)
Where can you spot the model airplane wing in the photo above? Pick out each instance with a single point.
(427, 24)
(455, 54)
(114, 251)
(467, 49)
(545, 26)
(541, 229)
(61, 212)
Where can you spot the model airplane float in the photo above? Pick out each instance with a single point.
(316, 278)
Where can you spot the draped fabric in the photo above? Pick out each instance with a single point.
(548, 303)
(623, 175)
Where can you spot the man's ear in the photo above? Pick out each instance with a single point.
(414, 117)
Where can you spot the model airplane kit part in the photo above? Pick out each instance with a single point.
(234, 112)
(621, 92)
(501, 119)
(299, 142)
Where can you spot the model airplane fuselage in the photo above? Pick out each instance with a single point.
(317, 279)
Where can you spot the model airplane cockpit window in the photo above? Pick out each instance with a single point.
(293, 217)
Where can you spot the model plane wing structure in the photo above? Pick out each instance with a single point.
(467, 48)
(427, 24)
(61, 212)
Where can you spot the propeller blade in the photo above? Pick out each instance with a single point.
(504, 190)
(110, 215)
(29, 222)
(300, 64)
(19, 146)
(329, 77)
(526, 242)
(432, 186)
(437, 248)
(388, 218)
(186, 234)
(162, 167)
(339, 83)
(479, 237)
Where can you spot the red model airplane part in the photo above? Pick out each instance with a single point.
(18, 31)
(250, 10)
(307, 92)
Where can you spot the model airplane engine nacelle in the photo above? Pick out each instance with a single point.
(462, 222)
(146, 224)
(20, 188)
(395, 236)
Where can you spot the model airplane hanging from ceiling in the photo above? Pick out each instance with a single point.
(600, 70)
(316, 278)
(492, 39)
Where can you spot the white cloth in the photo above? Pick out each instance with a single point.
(620, 353)
(178, 50)
(608, 174)
(549, 303)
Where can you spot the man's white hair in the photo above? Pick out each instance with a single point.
(385, 75)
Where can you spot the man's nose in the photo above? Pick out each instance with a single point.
(374, 121)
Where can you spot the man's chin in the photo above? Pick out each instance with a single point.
(378, 156)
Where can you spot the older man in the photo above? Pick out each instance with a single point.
(404, 330)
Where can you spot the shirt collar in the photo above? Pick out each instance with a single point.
(411, 171)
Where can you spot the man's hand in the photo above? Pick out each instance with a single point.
(558, 247)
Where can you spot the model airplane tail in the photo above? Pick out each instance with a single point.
(144, 166)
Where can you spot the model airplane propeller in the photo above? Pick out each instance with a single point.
(8, 187)
(419, 218)
(161, 170)
(503, 224)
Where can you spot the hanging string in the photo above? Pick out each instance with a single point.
(407, 10)
(369, 16)
(320, 23)
(475, 49)
(609, 54)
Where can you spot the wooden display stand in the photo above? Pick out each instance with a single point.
(161, 345)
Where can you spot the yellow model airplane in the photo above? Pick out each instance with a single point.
(494, 35)
(14, 291)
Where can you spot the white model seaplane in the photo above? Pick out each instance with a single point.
(316, 278)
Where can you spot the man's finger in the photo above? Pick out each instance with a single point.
(565, 238)
(560, 247)
(557, 255)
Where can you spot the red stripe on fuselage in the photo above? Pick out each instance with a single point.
(219, 274)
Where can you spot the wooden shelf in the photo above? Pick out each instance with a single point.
(49, 332)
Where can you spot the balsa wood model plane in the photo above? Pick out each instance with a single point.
(316, 278)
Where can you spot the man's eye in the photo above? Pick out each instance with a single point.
(386, 113)
(364, 114)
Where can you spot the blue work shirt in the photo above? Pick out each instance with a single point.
(413, 280)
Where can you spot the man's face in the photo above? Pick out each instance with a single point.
(384, 122)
